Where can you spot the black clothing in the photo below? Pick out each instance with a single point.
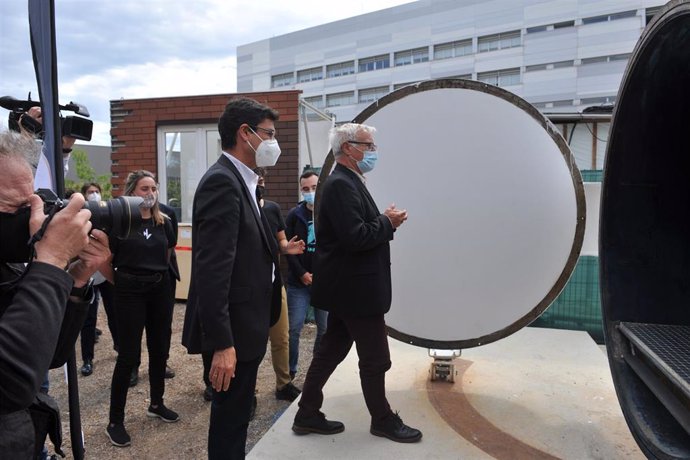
(352, 280)
(227, 434)
(369, 335)
(274, 216)
(143, 300)
(352, 272)
(146, 250)
(140, 305)
(233, 298)
(300, 222)
(232, 301)
(35, 316)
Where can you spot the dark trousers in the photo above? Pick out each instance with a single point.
(207, 358)
(88, 330)
(104, 291)
(139, 305)
(107, 292)
(227, 431)
(369, 335)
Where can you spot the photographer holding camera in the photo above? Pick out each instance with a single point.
(44, 296)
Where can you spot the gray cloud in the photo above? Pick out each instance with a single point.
(108, 49)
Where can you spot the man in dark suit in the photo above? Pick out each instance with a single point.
(352, 281)
(234, 293)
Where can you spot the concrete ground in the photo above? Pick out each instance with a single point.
(538, 394)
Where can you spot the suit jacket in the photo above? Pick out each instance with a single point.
(232, 301)
(352, 274)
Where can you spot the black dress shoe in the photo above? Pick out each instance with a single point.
(316, 424)
(134, 377)
(87, 368)
(169, 373)
(288, 393)
(208, 393)
(393, 428)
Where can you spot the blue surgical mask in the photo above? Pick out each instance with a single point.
(309, 197)
(368, 163)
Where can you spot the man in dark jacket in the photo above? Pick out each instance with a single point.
(42, 306)
(352, 280)
(300, 223)
(234, 292)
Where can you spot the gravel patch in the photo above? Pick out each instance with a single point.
(152, 438)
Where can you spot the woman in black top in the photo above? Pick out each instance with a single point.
(143, 299)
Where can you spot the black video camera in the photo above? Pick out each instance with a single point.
(118, 217)
(72, 126)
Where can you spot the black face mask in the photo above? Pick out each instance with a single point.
(260, 191)
(14, 235)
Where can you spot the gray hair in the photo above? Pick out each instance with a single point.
(346, 132)
(19, 146)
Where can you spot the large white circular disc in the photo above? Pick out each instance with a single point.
(496, 211)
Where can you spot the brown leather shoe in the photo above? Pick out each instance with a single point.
(316, 424)
(393, 428)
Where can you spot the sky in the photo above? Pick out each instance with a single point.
(112, 49)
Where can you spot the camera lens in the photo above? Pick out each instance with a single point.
(117, 217)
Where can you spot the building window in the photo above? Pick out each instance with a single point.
(499, 41)
(375, 63)
(309, 74)
(372, 94)
(563, 25)
(316, 101)
(562, 64)
(283, 79)
(453, 49)
(414, 56)
(505, 77)
(532, 30)
(558, 25)
(340, 69)
(549, 66)
(598, 100)
(337, 99)
(598, 59)
(609, 17)
(400, 85)
(536, 67)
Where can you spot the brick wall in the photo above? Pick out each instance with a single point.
(135, 122)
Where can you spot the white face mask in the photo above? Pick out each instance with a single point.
(267, 153)
(149, 201)
(94, 196)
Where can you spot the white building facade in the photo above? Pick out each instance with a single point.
(560, 55)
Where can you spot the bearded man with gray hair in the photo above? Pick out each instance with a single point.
(352, 281)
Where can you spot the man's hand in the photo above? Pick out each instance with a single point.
(396, 216)
(294, 246)
(306, 278)
(222, 368)
(95, 254)
(67, 234)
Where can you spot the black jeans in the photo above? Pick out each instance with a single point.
(140, 304)
(369, 335)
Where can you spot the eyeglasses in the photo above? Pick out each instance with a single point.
(370, 145)
(270, 132)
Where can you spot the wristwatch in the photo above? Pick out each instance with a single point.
(86, 292)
